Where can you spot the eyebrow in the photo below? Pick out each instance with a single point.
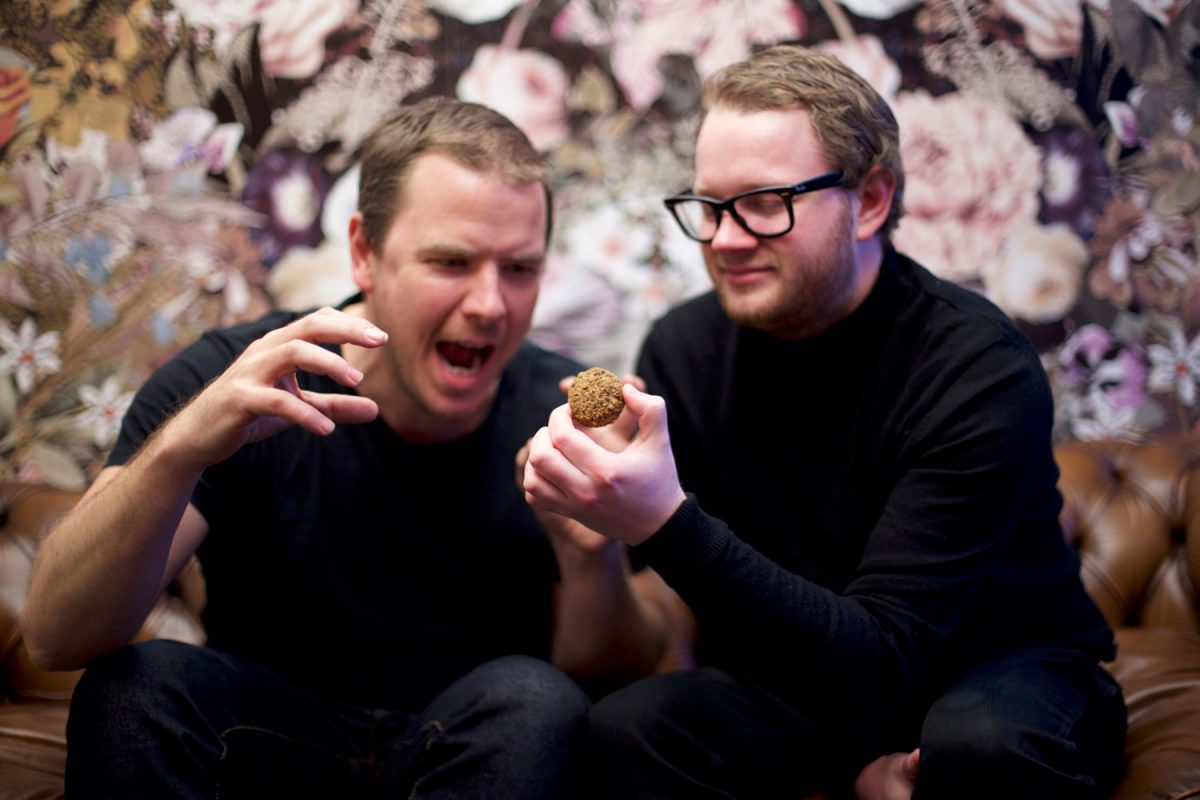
(454, 251)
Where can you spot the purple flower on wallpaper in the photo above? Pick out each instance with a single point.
(1075, 179)
(1141, 257)
(287, 187)
(1093, 362)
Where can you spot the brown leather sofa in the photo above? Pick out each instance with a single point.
(33, 703)
(1133, 511)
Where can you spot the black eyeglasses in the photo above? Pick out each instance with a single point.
(765, 213)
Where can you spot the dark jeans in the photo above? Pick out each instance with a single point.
(1035, 724)
(166, 719)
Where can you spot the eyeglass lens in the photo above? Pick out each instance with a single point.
(765, 214)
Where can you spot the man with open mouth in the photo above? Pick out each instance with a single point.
(386, 615)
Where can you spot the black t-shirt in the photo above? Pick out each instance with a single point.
(879, 502)
(368, 567)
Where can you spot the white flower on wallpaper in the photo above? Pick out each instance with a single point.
(291, 33)
(1039, 274)
(866, 56)
(879, 9)
(617, 267)
(474, 11)
(577, 312)
(1175, 366)
(972, 181)
(1053, 28)
(1092, 416)
(218, 276)
(527, 86)
(104, 406)
(191, 137)
(606, 239)
(640, 32)
(308, 277)
(25, 355)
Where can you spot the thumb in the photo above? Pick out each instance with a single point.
(650, 410)
(912, 763)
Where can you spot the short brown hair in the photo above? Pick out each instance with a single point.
(853, 123)
(469, 133)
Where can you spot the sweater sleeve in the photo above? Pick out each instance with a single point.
(962, 486)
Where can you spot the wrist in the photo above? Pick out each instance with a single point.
(606, 558)
(171, 454)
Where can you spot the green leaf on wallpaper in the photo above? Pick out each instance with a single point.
(1179, 198)
(10, 193)
(8, 402)
(194, 80)
(26, 136)
(58, 466)
(1140, 44)
(592, 92)
(12, 289)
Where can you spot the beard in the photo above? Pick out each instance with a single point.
(814, 289)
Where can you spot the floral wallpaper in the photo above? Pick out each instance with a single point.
(171, 165)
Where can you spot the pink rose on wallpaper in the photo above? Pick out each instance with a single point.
(866, 56)
(1038, 276)
(291, 36)
(1053, 28)
(972, 181)
(527, 86)
(640, 32)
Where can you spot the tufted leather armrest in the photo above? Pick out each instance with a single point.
(27, 514)
(33, 702)
(1133, 513)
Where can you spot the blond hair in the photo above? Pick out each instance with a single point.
(852, 122)
(473, 135)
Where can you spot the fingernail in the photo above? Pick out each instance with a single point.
(375, 335)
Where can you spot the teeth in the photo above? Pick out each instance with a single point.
(463, 359)
(476, 360)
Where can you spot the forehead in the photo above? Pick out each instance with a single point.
(445, 200)
(741, 150)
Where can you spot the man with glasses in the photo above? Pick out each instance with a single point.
(386, 617)
(844, 467)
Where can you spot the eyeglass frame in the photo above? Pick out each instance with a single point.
(788, 193)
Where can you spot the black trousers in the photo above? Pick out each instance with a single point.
(1039, 724)
(163, 719)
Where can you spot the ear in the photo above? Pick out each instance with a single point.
(362, 258)
(875, 202)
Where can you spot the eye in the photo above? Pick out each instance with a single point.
(450, 262)
(523, 268)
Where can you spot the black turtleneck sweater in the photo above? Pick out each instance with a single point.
(872, 509)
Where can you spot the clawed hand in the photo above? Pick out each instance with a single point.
(258, 396)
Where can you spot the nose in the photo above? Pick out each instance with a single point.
(484, 299)
(729, 235)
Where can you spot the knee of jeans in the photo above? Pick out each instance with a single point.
(977, 746)
(130, 678)
(538, 689)
(628, 715)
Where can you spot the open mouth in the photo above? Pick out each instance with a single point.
(463, 358)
